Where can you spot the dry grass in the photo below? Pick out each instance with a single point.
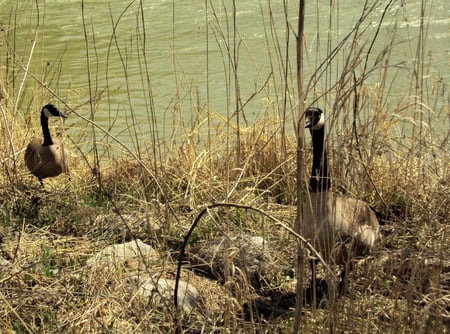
(47, 237)
(396, 157)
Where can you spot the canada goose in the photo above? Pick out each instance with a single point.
(46, 157)
(339, 227)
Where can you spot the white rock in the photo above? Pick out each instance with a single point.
(123, 252)
(161, 290)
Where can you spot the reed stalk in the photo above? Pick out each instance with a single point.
(181, 173)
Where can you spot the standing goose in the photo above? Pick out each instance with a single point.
(46, 157)
(340, 228)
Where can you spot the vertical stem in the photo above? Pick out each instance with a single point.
(152, 117)
(96, 170)
(298, 227)
(27, 66)
(286, 85)
(207, 85)
(419, 102)
(236, 87)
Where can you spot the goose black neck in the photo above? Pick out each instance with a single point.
(320, 178)
(45, 130)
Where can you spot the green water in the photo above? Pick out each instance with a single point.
(156, 65)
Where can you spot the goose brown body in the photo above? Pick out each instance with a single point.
(46, 161)
(340, 228)
(46, 157)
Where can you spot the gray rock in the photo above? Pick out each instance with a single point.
(161, 290)
(245, 259)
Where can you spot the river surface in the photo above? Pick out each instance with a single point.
(157, 65)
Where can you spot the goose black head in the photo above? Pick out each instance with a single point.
(50, 110)
(314, 118)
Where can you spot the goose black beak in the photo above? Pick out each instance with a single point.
(307, 123)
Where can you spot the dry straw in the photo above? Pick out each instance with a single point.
(391, 153)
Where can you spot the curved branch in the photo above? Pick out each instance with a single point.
(278, 222)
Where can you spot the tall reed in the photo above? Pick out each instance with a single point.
(218, 173)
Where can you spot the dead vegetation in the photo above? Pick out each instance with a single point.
(48, 236)
(394, 155)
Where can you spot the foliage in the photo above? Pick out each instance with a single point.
(393, 153)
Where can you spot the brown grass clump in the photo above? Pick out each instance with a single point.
(47, 236)
(395, 157)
